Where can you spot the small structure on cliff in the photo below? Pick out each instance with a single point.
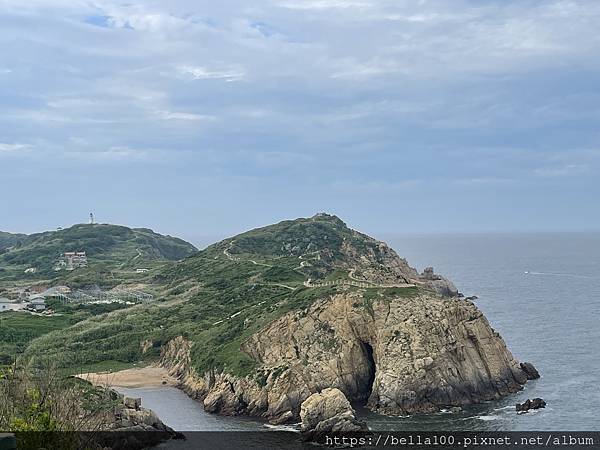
(71, 261)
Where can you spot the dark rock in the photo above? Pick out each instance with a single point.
(471, 298)
(530, 371)
(528, 404)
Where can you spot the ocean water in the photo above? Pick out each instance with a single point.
(180, 412)
(541, 292)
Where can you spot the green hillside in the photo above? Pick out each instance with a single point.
(108, 247)
(227, 292)
(8, 240)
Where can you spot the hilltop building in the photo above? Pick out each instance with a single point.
(71, 261)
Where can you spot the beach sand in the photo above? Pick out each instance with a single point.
(150, 376)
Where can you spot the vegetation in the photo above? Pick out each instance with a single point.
(39, 398)
(220, 296)
(8, 240)
(18, 328)
(108, 247)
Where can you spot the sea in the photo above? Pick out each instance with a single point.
(540, 291)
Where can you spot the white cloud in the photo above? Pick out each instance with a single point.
(352, 69)
(562, 171)
(171, 115)
(203, 73)
(325, 4)
(114, 153)
(340, 74)
(484, 181)
(14, 148)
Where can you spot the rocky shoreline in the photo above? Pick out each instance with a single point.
(400, 356)
(134, 427)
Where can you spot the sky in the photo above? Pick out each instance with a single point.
(203, 118)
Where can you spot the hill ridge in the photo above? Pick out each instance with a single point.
(107, 243)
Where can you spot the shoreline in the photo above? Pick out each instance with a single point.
(138, 377)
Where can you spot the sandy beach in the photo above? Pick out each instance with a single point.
(150, 376)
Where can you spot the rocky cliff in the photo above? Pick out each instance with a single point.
(399, 355)
(276, 314)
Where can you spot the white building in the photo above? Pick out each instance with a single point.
(37, 304)
(71, 261)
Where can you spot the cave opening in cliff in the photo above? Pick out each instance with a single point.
(370, 372)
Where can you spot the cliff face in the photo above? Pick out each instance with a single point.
(281, 312)
(398, 355)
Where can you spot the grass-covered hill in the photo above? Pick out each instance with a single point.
(8, 240)
(110, 246)
(321, 248)
(231, 290)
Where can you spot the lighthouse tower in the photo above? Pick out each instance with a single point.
(92, 219)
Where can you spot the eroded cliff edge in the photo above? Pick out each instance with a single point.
(397, 355)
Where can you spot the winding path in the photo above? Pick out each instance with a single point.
(352, 281)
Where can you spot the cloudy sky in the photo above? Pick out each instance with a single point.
(204, 118)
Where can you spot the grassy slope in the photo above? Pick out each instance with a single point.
(108, 247)
(202, 293)
(18, 328)
(9, 239)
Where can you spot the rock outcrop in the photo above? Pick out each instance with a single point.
(438, 283)
(400, 355)
(530, 371)
(131, 416)
(328, 411)
(137, 427)
(536, 403)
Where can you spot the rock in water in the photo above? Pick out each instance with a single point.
(328, 412)
(524, 407)
(530, 371)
